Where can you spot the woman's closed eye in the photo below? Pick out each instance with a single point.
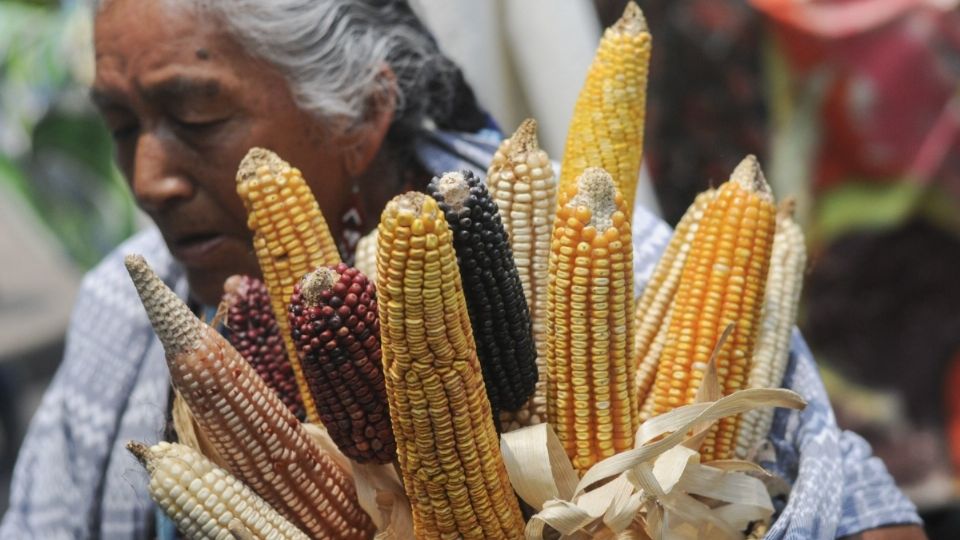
(124, 131)
(199, 126)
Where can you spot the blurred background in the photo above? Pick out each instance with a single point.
(853, 107)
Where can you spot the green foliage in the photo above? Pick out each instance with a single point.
(54, 150)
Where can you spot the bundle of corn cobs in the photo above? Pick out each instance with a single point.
(476, 308)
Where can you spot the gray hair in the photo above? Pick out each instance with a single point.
(332, 53)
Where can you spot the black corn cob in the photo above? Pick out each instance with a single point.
(498, 309)
(252, 329)
(334, 323)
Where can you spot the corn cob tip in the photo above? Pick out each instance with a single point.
(454, 189)
(787, 208)
(234, 285)
(413, 204)
(750, 177)
(597, 192)
(141, 452)
(256, 159)
(314, 283)
(176, 326)
(632, 22)
(524, 139)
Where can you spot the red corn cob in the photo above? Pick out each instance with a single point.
(333, 320)
(253, 331)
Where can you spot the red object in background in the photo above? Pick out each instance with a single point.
(890, 109)
(952, 393)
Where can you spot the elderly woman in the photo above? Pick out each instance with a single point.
(356, 94)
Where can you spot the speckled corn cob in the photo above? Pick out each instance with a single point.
(521, 182)
(498, 311)
(261, 441)
(253, 331)
(654, 304)
(722, 282)
(780, 302)
(333, 316)
(447, 446)
(290, 238)
(205, 501)
(590, 391)
(607, 126)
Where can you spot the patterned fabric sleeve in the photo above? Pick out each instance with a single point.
(72, 478)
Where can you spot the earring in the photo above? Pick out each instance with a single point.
(351, 226)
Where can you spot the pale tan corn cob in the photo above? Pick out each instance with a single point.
(290, 237)
(780, 302)
(203, 500)
(521, 181)
(447, 446)
(647, 370)
(261, 441)
(607, 126)
(365, 259)
(654, 304)
(590, 390)
(722, 283)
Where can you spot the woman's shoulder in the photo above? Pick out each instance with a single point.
(109, 280)
(107, 303)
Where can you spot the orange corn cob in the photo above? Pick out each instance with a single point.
(447, 445)
(290, 238)
(260, 440)
(590, 391)
(722, 282)
(652, 311)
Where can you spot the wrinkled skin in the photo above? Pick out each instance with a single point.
(184, 102)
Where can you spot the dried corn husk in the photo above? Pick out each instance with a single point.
(659, 489)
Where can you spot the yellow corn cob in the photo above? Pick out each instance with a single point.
(607, 126)
(290, 238)
(365, 259)
(447, 446)
(590, 391)
(653, 305)
(261, 441)
(722, 283)
(521, 181)
(204, 500)
(784, 283)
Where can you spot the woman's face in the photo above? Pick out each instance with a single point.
(185, 102)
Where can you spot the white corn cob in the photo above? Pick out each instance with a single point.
(521, 181)
(205, 501)
(780, 301)
(365, 258)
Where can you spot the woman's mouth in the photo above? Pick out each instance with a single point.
(198, 250)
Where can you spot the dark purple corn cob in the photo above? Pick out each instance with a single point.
(334, 323)
(499, 315)
(253, 331)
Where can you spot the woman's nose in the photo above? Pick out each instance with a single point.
(158, 180)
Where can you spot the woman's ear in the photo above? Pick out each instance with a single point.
(363, 141)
